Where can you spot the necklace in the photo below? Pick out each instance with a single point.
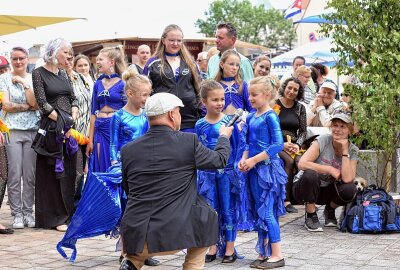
(172, 54)
(227, 79)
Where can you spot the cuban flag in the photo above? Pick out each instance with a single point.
(293, 9)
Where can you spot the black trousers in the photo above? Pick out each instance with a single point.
(290, 167)
(308, 190)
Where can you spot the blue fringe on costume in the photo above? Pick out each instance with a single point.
(224, 189)
(101, 154)
(268, 183)
(99, 210)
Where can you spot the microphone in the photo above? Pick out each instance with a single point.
(238, 113)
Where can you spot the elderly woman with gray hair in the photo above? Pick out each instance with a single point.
(22, 118)
(56, 150)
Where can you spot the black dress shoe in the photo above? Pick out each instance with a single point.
(256, 263)
(272, 265)
(6, 231)
(151, 262)
(210, 258)
(230, 259)
(127, 265)
(291, 209)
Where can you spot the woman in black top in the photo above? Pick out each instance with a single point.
(54, 191)
(293, 123)
(173, 70)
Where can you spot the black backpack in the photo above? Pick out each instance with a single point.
(372, 211)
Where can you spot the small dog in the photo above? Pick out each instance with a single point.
(361, 184)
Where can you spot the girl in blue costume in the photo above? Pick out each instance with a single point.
(223, 189)
(266, 174)
(108, 97)
(130, 122)
(102, 203)
(236, 90)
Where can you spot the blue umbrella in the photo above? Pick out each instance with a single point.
(319, 19)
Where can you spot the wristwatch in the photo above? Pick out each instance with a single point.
(346, 155)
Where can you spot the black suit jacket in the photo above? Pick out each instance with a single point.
(159, 176)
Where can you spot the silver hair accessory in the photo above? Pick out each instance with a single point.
(273, 82)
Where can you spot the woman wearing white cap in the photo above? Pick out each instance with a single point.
(328, 170)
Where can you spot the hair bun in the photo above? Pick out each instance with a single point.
(129, 73)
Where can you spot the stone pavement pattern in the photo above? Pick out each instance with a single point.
(35, 249)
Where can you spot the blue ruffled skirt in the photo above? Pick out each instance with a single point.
(101, 145)
(225, 191)
(99, 210)
(267, 184)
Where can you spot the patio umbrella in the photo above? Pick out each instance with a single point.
(318, 19)
(13, 23)
(314, 52)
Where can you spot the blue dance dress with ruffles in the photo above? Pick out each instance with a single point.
(126, 127)
(267, 179)
(238, 99)
(103, 200)
(225, 189)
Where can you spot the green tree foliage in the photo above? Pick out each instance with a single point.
(371, 39)
(254, 24)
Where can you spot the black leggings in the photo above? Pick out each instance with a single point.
(290, 167)
(308, 190)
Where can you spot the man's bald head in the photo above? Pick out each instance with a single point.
(144, 54)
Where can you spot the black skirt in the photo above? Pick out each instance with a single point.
(54, 193)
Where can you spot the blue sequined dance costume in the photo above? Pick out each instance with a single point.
(115, 99)
(126, 127)
(267, 179)
(103, 200)
(236, 99)
(224, 189)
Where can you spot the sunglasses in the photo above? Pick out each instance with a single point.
(344, 95)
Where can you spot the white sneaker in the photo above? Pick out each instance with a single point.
(18, 222)
(62, 228)
(29, 221)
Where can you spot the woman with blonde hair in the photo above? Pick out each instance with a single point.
(173, 70)
(107, 98)
(303, 74)
(262, 66)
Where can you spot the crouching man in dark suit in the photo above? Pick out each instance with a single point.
(164, 213)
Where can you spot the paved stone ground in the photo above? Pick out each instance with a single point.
(35, 249)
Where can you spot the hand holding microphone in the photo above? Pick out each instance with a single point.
(228, 128)
(238, 113)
